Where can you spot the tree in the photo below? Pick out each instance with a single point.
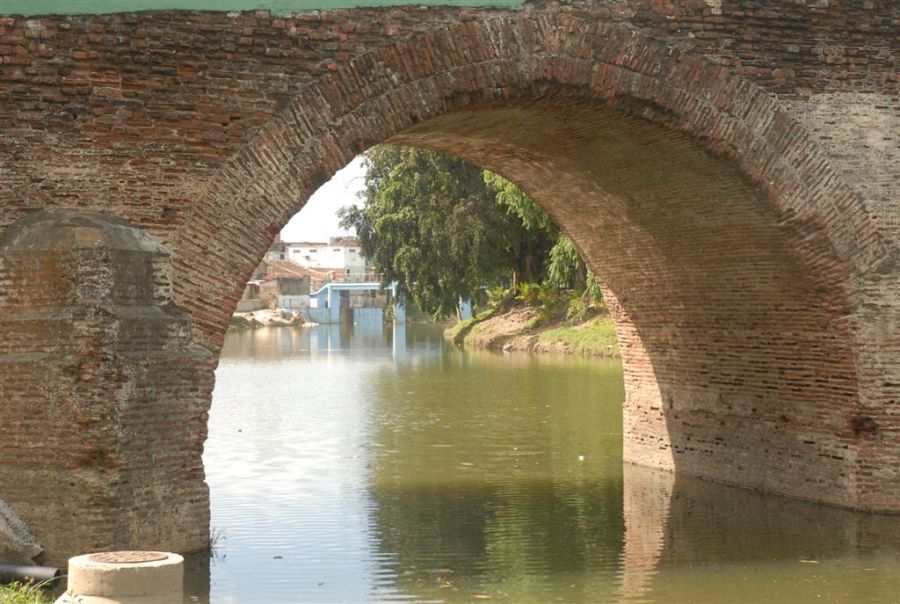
(563, 266)
(538, 231)
(432, 224)
(444, 229)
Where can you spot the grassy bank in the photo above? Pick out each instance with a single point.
(594, 337)
(521, 328)
(17, 593)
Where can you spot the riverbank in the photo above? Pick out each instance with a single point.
(519, 329)
(266, 317)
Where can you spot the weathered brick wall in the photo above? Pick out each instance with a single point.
(162, 99)
(728, 168)
(104, 397)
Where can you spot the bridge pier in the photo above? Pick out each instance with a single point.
(876, 423)
(104, 395)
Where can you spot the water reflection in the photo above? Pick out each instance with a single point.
(346, 468)
(489, 481)
(771, 549)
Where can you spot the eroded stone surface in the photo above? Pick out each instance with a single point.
(17, 544)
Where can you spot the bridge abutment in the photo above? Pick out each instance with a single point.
(105, 397)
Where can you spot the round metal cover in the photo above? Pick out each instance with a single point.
(128, 557)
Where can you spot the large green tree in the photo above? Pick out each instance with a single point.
(432, 224)
(444, 229)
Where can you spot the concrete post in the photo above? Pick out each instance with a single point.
(334, 305)
(399, 307)
(125, 578)
(398, 341)
(465, 309)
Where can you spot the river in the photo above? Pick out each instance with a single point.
(363, 466)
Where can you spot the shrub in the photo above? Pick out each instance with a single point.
(549, 300)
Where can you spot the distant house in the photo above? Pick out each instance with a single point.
(341, 256)
(290, 272)
(284, 284)
(251, 299)
(278, 250)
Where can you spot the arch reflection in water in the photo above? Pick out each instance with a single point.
(448, 475)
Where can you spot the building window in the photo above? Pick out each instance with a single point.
(337, 250)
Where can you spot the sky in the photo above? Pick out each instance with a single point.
(318, 220)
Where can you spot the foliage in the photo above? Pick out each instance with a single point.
(564, 266)
(593, 292)
(499, 298)
(431, 224)
(566, 269)
(588, 302)
(533, 217)
(23, 593)
(577, 309)
(444, 229)
(531, 294)
(549, 301)
(537, 234)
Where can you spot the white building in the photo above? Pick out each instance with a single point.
(341, 255)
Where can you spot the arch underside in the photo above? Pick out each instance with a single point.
(731, 254)
(735, 366)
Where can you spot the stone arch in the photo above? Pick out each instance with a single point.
(777, 412)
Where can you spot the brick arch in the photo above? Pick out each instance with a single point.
(494, 61)
(739, 351)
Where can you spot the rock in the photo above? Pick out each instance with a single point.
(17, 544)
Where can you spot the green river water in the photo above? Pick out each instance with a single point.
(367, 466)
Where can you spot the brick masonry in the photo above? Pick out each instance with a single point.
(729, 168)
(105, 397)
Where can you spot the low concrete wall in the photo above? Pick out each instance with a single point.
(317, 315)
(250, 305)
(292, 302)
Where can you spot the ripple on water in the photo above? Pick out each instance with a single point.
(341, 475)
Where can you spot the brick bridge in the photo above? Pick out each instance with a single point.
(729, 168)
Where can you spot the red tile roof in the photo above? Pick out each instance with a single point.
(285, 269)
